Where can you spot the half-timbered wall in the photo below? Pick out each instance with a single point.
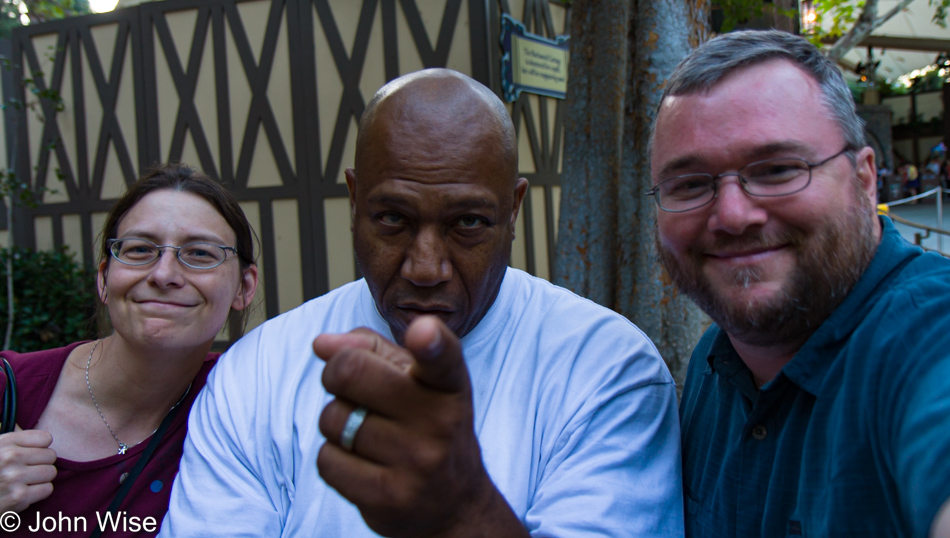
(266, 96)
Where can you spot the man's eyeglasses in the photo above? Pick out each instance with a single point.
(197, 255)
(771, 177)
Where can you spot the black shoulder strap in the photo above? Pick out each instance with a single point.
(139, 465)
(8, 416)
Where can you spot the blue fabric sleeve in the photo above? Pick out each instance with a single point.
(921, 417)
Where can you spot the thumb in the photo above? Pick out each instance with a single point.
(439, 363)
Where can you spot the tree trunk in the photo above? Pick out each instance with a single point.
(787, 23)
(622, 51)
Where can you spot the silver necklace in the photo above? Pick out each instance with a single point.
(123, 448)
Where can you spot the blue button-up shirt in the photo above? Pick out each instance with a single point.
(852, 438)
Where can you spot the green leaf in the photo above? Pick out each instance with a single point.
(54, 298)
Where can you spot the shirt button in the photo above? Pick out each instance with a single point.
(759, 432)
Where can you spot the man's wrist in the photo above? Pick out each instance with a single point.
(488, 514)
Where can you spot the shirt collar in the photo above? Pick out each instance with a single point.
(729, 366)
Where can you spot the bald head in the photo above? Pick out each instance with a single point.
(434, 199)
(439, 105)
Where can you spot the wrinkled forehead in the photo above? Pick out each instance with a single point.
(762, 104)
(407, 156)
(435, 197)
(773, 76)
(434, 149)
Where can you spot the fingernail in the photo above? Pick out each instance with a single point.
(435, 346)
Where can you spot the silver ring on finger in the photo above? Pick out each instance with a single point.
(353, 424)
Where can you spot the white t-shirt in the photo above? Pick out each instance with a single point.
(575, 414)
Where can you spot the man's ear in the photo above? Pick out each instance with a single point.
(101, 282)
(865, 168)
(521, 187)
(350, 174)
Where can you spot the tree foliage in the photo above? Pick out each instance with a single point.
(54, 302)
(844, 22)
(737, 12)
(15, 13)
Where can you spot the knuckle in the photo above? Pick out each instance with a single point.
(343, 370)
(16, 496)
(42, 491)
(329, 418)
(51, 473)
(364, 331)
(394, 491)
(9, 455)
(11, 476)
(400, 358)
(350, 369)
(427, 457)
(450, 421)
(372, 339)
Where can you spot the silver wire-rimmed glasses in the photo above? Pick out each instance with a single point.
(197, 255)
(771, 177)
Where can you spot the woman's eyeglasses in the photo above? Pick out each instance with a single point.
(197, 255)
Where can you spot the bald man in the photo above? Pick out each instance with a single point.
(444, 393)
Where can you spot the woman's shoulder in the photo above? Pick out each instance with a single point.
(43, 359)
(36, 375)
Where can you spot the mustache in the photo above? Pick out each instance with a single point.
(751, 240)
(435, 296)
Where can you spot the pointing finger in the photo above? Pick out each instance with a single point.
(439, 362)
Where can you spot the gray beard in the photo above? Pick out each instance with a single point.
(829, 265)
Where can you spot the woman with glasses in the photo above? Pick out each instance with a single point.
(103, 422)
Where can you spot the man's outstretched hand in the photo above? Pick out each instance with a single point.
(415, 468)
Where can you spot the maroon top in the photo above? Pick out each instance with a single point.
(83, 490)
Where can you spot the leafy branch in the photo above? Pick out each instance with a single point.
(847, 22)
(736, 12)
(15, 13)
(14, 191)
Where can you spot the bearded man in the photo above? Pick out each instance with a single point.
(818, 403)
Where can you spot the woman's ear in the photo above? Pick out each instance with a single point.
(101, 282)
(247, 289)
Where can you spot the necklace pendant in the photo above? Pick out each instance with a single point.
(123, 448)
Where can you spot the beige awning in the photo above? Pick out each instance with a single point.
(906, 42)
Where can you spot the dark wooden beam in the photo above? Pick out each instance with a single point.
(902, 43)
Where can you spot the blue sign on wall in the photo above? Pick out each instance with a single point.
(532, 63)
